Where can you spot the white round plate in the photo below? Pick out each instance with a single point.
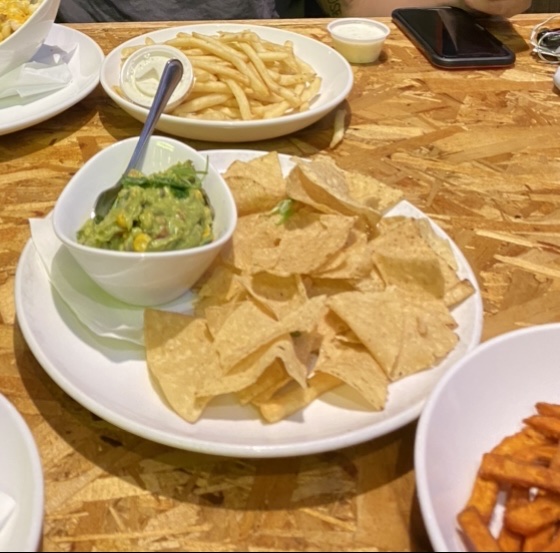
(335, 71)
(21, 477)
(110, 377)
(84, 64)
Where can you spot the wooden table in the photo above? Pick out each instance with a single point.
(479, 151)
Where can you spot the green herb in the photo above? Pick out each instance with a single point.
(180, 178)
(284, 208)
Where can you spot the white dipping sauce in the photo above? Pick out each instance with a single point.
(359, 31)
(141, 73)
(359, 40)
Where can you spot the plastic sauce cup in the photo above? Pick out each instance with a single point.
(359, 40)
(141, 73)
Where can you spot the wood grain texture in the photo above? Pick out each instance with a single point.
(479, 151)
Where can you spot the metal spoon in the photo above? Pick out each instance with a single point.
(170, 77)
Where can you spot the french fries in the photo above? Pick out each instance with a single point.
(241, 76)
(525, 470)
(478, 533)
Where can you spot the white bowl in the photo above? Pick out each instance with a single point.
(22, 45)
(483, 398)
(21, 478)
(335, 71)
(150, 278)
(358, 39)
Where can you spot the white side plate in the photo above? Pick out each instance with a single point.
(110, 377)
(85, 65)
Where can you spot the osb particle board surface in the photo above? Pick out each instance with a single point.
(478, 151)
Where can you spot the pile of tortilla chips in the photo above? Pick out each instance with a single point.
(315, 291)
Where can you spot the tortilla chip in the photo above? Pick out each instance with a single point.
(326, 286)
(313, 291)
(403, 258)
(371, 192)
(404, 334)
(279, 295)
(371, 283)
(219, 287)
(304, 243)
(323, 186)
(355, 366)
(458, 293)
(218, 313)
(292, 399)
(180, 359)
(428, 337)
(251, 368)
(354, 261)
(253, 233)
(248, 328)
(455, 289)
(257, 185)
(270, 381)
(439, 245)
(184, 363)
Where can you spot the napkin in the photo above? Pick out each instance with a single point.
(7, 505)
(45, 73)
(96, 309)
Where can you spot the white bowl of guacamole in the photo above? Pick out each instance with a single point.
(162, 234)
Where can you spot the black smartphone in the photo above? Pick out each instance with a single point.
(451, 38)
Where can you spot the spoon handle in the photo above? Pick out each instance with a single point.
(170, 78)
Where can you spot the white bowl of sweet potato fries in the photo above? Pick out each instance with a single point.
(487, 454)
(252, 82)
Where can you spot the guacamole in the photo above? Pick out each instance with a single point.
(158, 212)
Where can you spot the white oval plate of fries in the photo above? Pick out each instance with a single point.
(254, 83)
(487, 447)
